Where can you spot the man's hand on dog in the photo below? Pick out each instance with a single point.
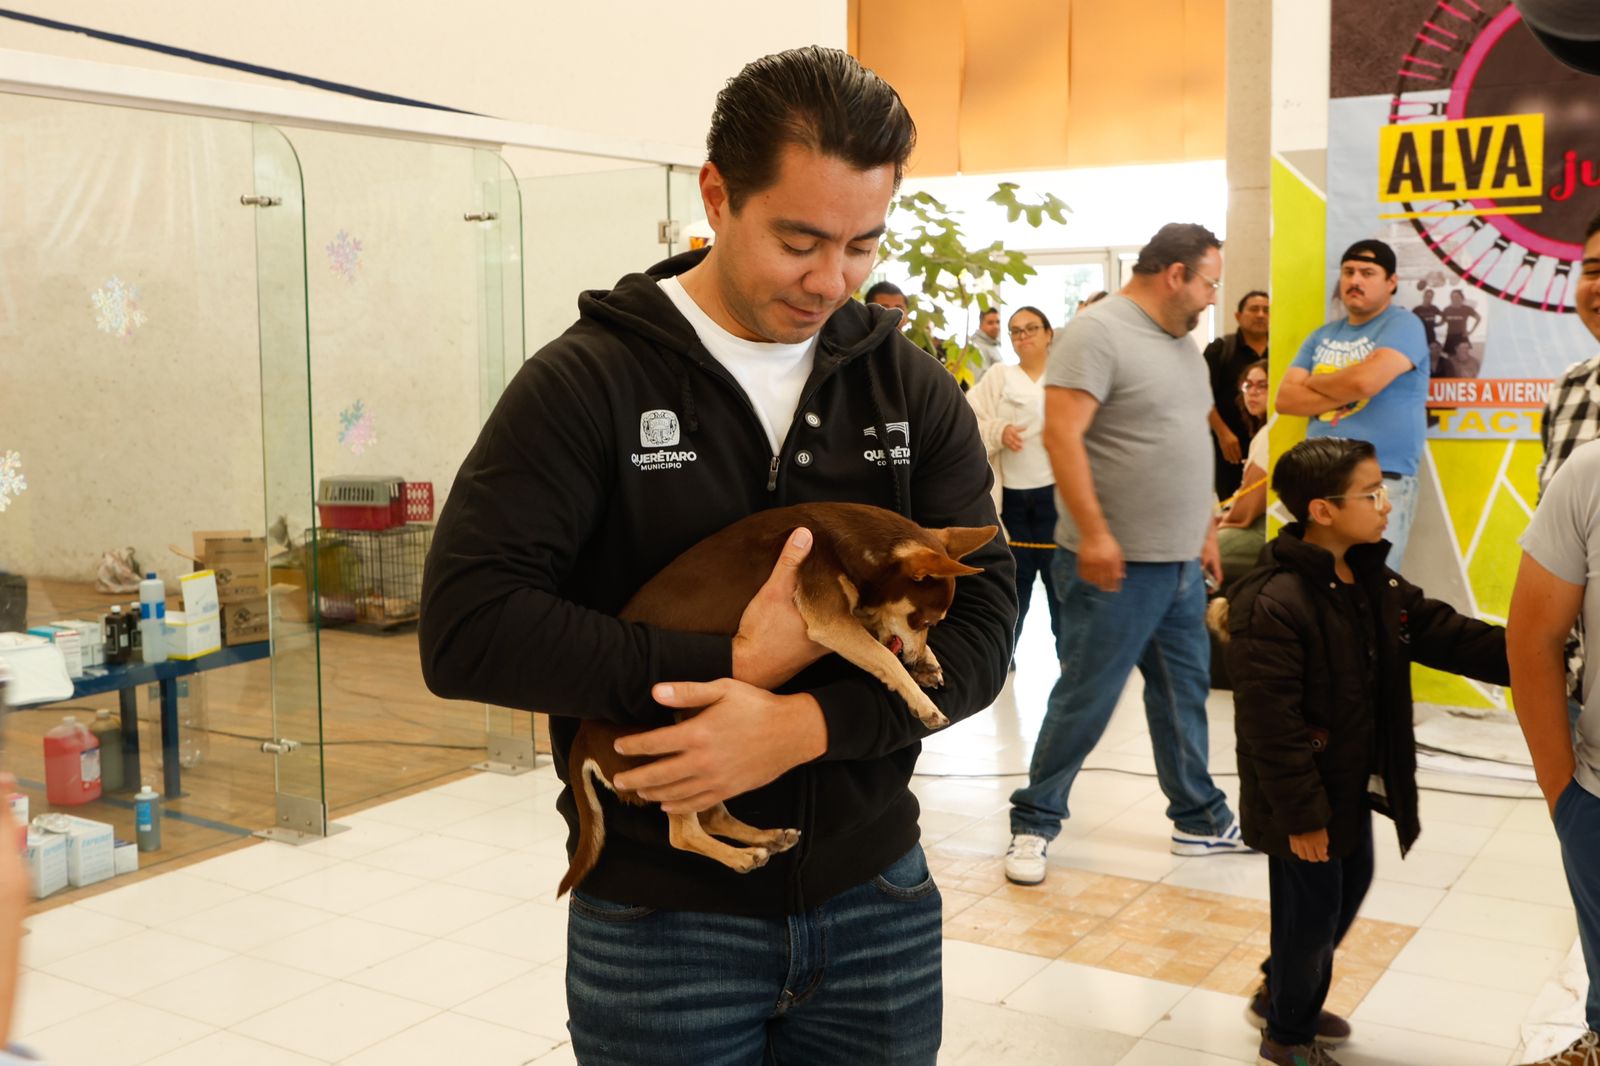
(744, 738)
(771, 645)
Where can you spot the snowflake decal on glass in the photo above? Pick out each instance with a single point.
(12, 483)
(344, 255)
(116, 308)
(356, 428)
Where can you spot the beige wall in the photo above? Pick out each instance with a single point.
(629, 68)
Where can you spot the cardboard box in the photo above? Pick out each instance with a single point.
(46, 858)
(199, 593)
(245, 622)
(239, 561)
(89, 852)
(190, 636)
(125, 857)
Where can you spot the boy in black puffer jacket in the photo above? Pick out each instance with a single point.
(1321, 638)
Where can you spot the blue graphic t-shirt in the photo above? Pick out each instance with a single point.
(1395, 420)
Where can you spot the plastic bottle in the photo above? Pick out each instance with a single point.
(71, 764)
(152, 613)
(147, 819)
(108, 731)
(117, 645)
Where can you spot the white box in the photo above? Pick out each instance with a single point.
(190, 635)
(91, 638)
(89, 857)
(46, 859)
(199, 593)
(125, 857)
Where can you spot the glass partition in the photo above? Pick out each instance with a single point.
(131, 417)
(289, 472)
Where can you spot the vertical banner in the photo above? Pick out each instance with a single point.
(1456, 138)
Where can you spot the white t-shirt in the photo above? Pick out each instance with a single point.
(772, 375)
(1022, 404)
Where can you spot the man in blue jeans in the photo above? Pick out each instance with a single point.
(719, 383)
(1365, 376)
(1127, 400)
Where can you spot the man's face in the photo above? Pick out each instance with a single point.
(895, 302)
(1458, 298)
(1427, 298)
(990, 325)
(1364, 287)
(796, 251)
(1589, 286)
(1254, 318)
(1197, 292)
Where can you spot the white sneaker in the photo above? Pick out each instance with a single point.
(1025, 859)
(1228, 842)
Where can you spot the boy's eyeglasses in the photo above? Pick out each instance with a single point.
(1024, 331)
(1379, 496)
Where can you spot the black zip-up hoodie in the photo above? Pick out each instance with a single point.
(618, 446)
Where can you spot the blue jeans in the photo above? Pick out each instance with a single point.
(1402, 509)
(854, 981)
(1577, 819)
(1156, 621)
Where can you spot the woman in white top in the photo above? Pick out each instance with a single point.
(1009, 403)
(1243, 530)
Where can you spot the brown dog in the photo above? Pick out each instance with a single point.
(871, 587)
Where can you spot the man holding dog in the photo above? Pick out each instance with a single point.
(719, 383)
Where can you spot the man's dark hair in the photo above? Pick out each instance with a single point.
(1176, 242)
(1316, 469)
(818, 98)
(992, 311)
(1251, 295)
(1592, 228)
(883, 288)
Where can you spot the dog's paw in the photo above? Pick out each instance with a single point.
(927, 713)
(784, 839)
(752, 859)
(927, 673)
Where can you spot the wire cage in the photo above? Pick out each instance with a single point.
(370, 578)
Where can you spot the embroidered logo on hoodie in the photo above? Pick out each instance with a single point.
(900, 453)
(659, 429)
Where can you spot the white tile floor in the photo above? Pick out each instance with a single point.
(429, 932)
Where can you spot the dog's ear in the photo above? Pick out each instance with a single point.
(923, 562)
(962, 540)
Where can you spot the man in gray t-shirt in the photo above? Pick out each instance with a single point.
(1127, 396)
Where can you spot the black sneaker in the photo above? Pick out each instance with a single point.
(1332, 1030)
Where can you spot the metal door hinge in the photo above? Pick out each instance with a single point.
(479, 216)
(261, 201)
(281, 746)
(668, 231)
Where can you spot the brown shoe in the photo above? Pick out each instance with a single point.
(1273, 1053)
(1584, 1051)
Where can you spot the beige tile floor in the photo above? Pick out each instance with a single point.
(429, 931)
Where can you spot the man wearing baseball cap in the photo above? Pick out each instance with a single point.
(1365, 376)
